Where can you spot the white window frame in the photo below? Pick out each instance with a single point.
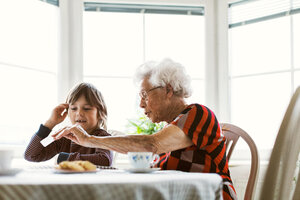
(70, 53)
(217, 80)
(70, 65)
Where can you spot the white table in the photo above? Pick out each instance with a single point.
(44, 184)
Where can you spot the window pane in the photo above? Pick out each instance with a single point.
(112, 43)
(296, 43)
(297, 79)
(28, 35)
(198, 92)
(28, 67)
(28, 99)
(253, 10)
(110, 58)
(121, 98)
(260, 47)
(176, 36)
(258, 105)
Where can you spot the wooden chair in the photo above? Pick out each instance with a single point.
(232, 133)
(280, 175)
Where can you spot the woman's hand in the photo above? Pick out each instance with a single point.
(58, 115)
(75, 133)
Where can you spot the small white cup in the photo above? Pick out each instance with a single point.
(6, 156)
(141, 160)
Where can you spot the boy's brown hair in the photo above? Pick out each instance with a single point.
(93, 97)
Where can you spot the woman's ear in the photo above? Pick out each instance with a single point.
(169, 89)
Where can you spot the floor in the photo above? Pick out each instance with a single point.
(239, 174)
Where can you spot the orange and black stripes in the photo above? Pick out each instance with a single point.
(207, 154)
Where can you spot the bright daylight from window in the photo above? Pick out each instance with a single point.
(110, 58)
(264, 71)
(29, 60)
(28, 65)
(264, 68)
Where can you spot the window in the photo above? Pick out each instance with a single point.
(296, 43)
(28, 65)
(116, 43)
(180, 37)
(264, 42)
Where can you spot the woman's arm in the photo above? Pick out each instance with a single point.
(168, 139)
(97, 156)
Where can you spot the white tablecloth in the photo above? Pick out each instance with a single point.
(43, 184)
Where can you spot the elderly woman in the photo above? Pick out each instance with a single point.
(191, 142)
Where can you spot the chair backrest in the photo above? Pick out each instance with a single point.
(280, 173)
(232, 133)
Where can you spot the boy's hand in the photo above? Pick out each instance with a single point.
(58, 115)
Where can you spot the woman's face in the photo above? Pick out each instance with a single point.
(153, 100)
(82, 113)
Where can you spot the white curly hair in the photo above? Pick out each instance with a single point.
(166, 72)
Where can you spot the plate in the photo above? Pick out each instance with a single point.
(64, 171)
(10, 172)
(142, 170)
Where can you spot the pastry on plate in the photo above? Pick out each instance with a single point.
(78, 165)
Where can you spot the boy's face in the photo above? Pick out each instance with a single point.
(82, 113)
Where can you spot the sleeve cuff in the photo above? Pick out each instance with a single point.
(62, 157)
(43, 132)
